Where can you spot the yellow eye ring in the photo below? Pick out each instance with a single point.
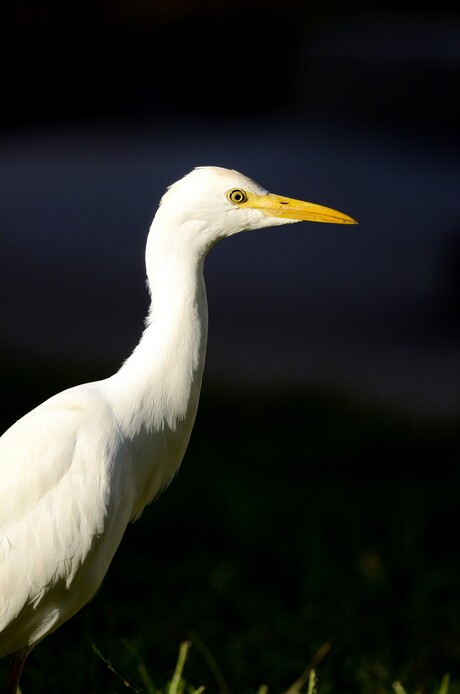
(237, 196)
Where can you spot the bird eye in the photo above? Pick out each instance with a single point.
(237, 195)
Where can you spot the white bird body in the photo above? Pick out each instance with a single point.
(79, 467)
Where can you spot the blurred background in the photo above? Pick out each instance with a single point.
(105, 104)
(330, 348)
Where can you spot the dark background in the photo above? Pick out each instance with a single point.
(319, 497)
(105, 104)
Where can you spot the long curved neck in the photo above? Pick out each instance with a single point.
(162, 377)
(154, 396)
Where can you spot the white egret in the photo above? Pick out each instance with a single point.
(79, 467)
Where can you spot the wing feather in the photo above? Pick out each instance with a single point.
(58, 471)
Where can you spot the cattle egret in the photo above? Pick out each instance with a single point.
(79, 467)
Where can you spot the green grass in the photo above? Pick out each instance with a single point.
(307, 683)
(302, 534)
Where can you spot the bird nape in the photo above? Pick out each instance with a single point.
(79, 467)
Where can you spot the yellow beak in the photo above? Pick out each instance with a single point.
(288, 208)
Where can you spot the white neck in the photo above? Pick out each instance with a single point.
(154, 396)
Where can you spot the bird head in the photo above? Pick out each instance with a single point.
(212, 203)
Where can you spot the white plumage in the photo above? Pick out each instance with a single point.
(75, 470)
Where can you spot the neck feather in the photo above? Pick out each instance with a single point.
(163, 375)
(154, 396)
